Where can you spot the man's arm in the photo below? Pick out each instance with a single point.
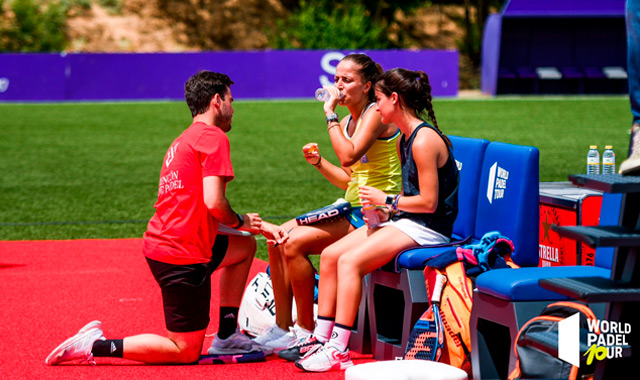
(214, 192)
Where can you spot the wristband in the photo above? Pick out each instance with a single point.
(394, 205)
(240, 222)
(332, 117)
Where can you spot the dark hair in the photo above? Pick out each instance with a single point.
(203, 86)
(370, 71)
(414, 90)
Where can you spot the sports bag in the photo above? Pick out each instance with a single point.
(536, 345)
(452, 306)
(258, 308)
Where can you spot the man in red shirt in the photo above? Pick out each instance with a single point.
(183, 247)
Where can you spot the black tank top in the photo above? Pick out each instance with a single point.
(442, 219)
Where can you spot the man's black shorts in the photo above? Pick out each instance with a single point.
(186, 289)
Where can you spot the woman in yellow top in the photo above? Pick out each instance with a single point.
(367, 152)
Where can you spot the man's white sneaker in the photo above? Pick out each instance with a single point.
(295, 333)
(631, 165)
(78, 346)
(272, 333)
(325, 359)
(237, 343)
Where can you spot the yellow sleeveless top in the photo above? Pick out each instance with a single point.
(379, 167)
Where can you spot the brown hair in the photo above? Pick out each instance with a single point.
(370, 71)
(414, 90)
(202, 87)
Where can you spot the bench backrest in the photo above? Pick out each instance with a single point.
(508, 199)
(468, 153)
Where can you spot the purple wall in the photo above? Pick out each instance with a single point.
(257, 74)
(572, 8)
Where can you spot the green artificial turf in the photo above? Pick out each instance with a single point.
(90, 170)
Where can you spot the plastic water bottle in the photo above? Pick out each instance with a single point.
(593, 160)
(369, 211)
(323, 95)
(608, 160)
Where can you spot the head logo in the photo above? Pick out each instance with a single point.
(497, 182)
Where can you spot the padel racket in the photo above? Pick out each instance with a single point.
(427, 337)
(255, 356)
(336, 209)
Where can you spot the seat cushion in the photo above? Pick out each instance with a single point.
(522, 284)
(414, 258)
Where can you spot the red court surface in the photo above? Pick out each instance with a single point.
(49, 289)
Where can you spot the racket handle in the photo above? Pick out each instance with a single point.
(437, 289)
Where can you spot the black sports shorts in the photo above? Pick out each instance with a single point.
(186, 289)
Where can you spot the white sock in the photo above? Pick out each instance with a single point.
(301, 332)
(323, 329)
(340, 337)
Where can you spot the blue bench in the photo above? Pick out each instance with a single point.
(506, 298)
(498, 191)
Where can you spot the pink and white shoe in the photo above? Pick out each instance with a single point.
(79, 346)
(325, 359)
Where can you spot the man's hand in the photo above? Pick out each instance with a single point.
(275, 234)
(252, 223)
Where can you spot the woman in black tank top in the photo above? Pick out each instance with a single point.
(423, 214)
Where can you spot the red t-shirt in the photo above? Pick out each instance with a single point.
(182, 231)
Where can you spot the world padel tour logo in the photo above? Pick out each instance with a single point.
(497, 182)
(605, 339)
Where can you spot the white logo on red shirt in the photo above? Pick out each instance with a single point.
(171, 154)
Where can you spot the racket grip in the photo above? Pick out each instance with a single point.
(437, 289)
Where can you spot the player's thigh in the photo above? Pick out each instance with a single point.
(312, 239)
(377, 249)
(345, 244)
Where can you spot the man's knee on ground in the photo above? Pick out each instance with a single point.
(188, 355)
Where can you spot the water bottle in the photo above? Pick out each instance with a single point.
(323, 95)
(369, 211)
(608, 160)
(593, 160)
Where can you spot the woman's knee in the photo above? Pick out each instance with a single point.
(349, 263)
(329, 258)
(296, 246)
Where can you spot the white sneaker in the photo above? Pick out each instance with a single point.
(631, 165)
(272, 333)
(78, 346)
(237, 343)
(295, 333)
(325, 359)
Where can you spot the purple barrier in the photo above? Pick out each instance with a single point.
(571, 8)
(574, 36)
(32, 77)
(257, 74)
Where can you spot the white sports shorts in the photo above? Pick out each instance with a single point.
(419, 233)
